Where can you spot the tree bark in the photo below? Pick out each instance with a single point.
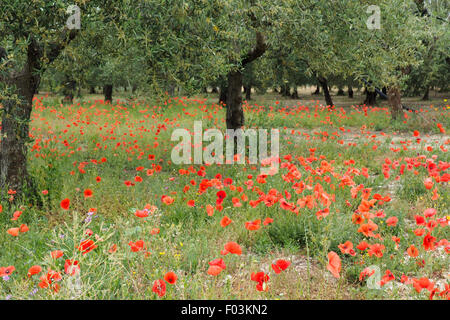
(15, 119)
(223, 94)
(371, 98)
(107, 91)
(235, 113)
(295, 93)
(350, 92)
(92, 90)
(17, 113)
(324, 83)
(317, 92)
(395, 102)
(426, 95)
(340, 92)
(248, 92)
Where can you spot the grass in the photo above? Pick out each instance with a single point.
(75, 144)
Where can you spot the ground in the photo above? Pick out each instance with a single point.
(332, 163)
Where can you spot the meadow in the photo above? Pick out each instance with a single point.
(358, 209)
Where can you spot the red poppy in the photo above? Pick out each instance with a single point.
(412, 251)
(86, 246)
(13, 231)
(159, 287)
(57, 254)
(88, 193)
(171, 277)
(261, 278)
(214, 270)
(34, 270)
(280, 265)
(6, 271)
(253, 225)
(428, 242)
(334, 264)
(392, 221)
(225, 221)
(233, 248)
(71, 267)
(65, 204)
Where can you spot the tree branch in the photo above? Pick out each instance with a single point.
(257, 52)
(55, 48)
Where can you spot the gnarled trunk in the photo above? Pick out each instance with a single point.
(248, 92)
(350, 92)
(107, 91)
(235, 113)
(223, 94)
(371, 98)
(317, 92)
(324, 83)
(395, 102)
(294, 94)
(426, 95)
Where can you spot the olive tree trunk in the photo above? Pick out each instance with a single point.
(107, 91)
(235, 113)
(395, 102)
(326, 92)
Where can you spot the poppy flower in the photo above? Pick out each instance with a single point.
(219, 263)
(167, 200)
(261, 278)
(170, 277)
(428, 213)
(16, 215)
(209, 210)
(34, 270)
(141, 213)
(233, 248)
(412, 251)
(13, 231)
(392, 221)
(267, 221)
(71, 267)
(419, 220)
(422, 283)
(191, 203)
(253, 225)
(88, 193)
(428, 183)
(136, 246)
(347, 248)
(363, 245)
(225, 221)
(113, 248)
(56, 254)
(376, 250)
(280, 265)
(428, 242)
(334, 264)
(65, 204)
(23, 228)
(6, 271)
(214, 270)
(159, 287)
(86, 246)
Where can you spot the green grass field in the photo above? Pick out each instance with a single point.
(344, 175)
